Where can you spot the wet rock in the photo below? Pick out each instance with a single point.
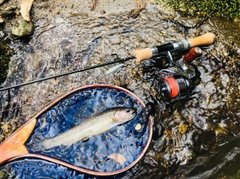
(7, 27)
(1, 20)
(5, 56)
(3, 174)
(222, 163)
(1, 1)
(22, 28)
(10, 8)
(8, 13)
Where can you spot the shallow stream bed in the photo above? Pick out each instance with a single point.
(68, 38)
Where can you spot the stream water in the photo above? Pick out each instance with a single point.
(185, 134)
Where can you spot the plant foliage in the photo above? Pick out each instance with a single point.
(224, 8)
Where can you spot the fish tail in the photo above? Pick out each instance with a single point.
(48, 143)
(53, 142)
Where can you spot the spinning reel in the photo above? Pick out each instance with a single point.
(178, 82)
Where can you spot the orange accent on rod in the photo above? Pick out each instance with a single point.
(14, 145)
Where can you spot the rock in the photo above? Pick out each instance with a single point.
(1, 1)
(11, 8)
(22, 28)
(5, 57)
(1, 20)
(7, 13)
(3, 174)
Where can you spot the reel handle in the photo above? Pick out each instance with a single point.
(147, 53)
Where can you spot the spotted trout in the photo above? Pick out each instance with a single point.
(95, 125)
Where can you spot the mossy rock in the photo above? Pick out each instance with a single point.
(22, 28)
(3, 174)
(5, 57)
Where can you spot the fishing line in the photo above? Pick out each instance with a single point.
(68, 73)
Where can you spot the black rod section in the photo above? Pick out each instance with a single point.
(68, 73)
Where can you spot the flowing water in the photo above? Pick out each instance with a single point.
(184, 133)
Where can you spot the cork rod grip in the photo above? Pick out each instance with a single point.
(205, 39)
(143, 54)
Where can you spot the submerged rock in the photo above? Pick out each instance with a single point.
(22, 28)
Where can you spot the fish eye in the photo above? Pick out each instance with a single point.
(128, 110)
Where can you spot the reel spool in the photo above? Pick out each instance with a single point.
(175, 87)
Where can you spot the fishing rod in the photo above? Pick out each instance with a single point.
(139, 55)
(68, 73)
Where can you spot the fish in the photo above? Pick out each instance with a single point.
(114, 68)
(95, 125)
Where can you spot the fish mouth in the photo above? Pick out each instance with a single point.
(134, 112)
(131, 113)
